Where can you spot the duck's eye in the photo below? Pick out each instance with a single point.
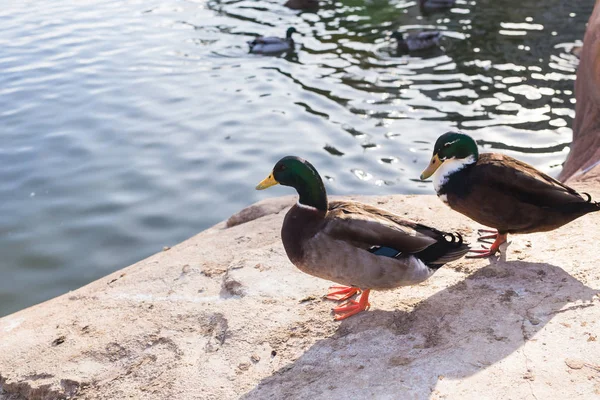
(447, 144)
(281, 168)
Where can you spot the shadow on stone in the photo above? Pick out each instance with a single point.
(453, 334)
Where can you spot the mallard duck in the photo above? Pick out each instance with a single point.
(416, 41)
(436, 5)
(306, 5)
(358, 246)
(272, 45)
(500, 192)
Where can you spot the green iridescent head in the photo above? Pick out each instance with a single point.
(302, 176)
(451, 146)
(291, 30)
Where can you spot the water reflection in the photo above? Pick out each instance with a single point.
(128, 126)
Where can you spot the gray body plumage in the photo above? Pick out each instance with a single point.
(357, 267)
(270, 45)
(417, 41)
(336, 246)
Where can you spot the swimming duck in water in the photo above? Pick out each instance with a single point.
(416, 41)
(356, 245)
(273, 45)
(436, 5)
(306, 5)
(501, 192)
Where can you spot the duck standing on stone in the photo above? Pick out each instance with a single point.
(356, 245)
(501, 192)
(416, 41)
(273, 45)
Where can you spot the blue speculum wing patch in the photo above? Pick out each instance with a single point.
(384, 251)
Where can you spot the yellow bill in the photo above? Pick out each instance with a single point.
(267, 182)
(434, 164)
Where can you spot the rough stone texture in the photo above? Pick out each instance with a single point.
(585, 149)
(590, 177)
(259, 209)
(225, 315)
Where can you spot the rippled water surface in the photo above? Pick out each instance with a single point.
(131, 125)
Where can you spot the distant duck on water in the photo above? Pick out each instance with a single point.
(436, 5)
(416, 41)
(273, 45)
(305, 5)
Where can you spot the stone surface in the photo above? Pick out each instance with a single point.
(225, 315)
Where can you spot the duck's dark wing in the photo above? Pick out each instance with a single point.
(432, 36)
(363, 224)
(422, 40)
(499, 172)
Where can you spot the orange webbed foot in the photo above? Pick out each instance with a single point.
(488, 252)
(340, 293)
(482, 237)
(352, 307)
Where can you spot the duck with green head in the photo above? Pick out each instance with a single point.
(273, 45)
(501, 192)
(353, 244)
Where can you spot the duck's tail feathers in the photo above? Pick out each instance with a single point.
(449, 248)
(581, 207)
(589, 200)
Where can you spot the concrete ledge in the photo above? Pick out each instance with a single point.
(224, 314)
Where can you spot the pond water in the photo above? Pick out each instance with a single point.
(132, 125)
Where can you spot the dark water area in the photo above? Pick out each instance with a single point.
(129, 126)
